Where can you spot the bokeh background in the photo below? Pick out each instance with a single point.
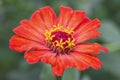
(14, 67)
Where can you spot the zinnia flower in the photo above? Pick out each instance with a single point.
(60, 41)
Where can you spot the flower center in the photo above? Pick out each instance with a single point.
(59, 41)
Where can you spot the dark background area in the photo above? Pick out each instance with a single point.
(14, 67)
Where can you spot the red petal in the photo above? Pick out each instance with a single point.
(29, 31)
(104, 49)
(86, 20)
(78, 63)
(87, 36)
(65, 61)
(47, 57)
(87, 31)
(89, 48)
(57, 68)
(65, 14)
(36, 20)
(48, 16)
(76, 19)
(90, 26)
(42, 55)
(84, 61)
(62, 61)
(21, 44)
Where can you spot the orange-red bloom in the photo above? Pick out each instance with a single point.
(60, 41)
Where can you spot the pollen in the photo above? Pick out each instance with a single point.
(58, 40)
(69, 30)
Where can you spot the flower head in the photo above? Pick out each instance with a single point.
(60, 41)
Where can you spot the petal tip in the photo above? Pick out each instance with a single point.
(104, 49)
(65, 8)
(45, 8)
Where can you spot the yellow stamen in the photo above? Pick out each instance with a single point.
(60, 44)
(57, 27)
(70, 42)
(69, 30)
(48, 35)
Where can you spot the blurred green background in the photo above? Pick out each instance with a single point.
(14, 67)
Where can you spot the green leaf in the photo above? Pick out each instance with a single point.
(86, 77)
(46, 73)
(71, 74)
(111, 63)
(89, 5)
(110, 32)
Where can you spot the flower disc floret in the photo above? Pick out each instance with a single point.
(59, 41)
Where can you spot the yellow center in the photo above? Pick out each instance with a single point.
(58, 40)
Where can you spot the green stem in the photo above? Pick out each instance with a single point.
(58, 78)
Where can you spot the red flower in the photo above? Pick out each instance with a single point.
(61, 42)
